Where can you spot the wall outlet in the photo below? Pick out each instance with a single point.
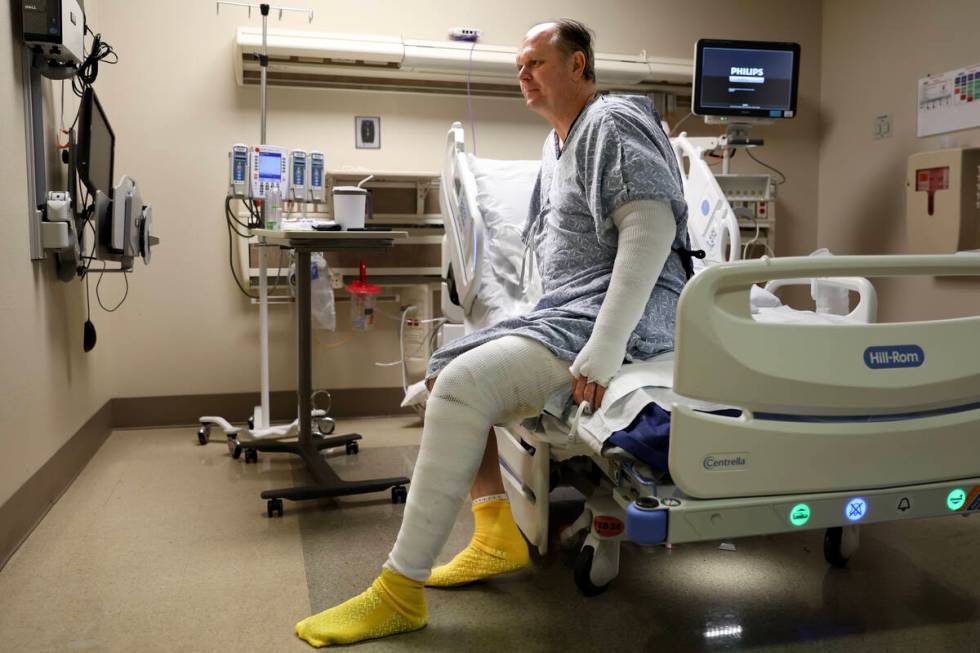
(464, 34)
(416, 334)
(882, 126)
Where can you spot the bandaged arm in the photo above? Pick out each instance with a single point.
(646, 233)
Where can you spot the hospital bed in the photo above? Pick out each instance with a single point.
(763, 420)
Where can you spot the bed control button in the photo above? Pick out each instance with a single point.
(646, 525)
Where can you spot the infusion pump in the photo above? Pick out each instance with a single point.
(267, 168)
(316, 176)
(297, 175)
(254, 169)
(238, 171)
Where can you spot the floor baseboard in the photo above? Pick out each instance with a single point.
(22, 512)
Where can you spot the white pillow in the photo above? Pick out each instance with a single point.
(760, 298)
(503, 193)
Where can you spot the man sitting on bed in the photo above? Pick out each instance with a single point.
(608, 228)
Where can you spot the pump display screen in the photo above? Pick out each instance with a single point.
(746, 78)
(270, 165)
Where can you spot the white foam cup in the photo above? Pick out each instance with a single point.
(348, 206)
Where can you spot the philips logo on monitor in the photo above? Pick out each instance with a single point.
(720, 462)
(895, 356)
(747, 75)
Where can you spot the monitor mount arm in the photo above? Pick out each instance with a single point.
(736, 135)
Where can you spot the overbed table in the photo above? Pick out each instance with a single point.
(327, 483)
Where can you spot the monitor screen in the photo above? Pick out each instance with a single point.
(96, 145)
(270, 165)
(745, 78)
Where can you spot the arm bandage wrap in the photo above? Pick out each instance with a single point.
(646, 232)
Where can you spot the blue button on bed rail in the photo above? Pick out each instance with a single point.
(646, 521)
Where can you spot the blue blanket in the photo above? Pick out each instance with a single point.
(648, 435)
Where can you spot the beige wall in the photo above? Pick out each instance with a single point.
(176, 109)
(48, 387)
(874, 53)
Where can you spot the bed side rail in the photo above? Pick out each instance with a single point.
(461, 217)
(711, 223)
(713, 456)
(724, 356)
(866, 308)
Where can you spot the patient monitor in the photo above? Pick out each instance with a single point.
(745, 81)
(942, 201)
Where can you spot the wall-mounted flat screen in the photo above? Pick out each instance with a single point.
(755, 79)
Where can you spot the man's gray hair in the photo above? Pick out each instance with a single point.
(572, 36)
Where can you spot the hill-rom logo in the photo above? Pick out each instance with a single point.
(878, 358)
(720, 462)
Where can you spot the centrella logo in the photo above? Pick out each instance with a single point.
(725, 461)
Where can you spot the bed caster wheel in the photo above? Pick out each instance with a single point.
(251, 456)
(204, 434)
(251, 423)
(274, 507)
(583, 570)
(352, 449)
(839, 544)
(398, 494)
(233, 444)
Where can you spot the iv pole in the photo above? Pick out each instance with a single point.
(260, 418)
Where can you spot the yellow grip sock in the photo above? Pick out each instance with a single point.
(497, 548)
(393, 604)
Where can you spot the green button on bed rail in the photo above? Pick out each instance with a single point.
(956, 499)
(799, 515)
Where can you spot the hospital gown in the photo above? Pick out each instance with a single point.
(616, 152)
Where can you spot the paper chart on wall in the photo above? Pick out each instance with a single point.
(949, 101)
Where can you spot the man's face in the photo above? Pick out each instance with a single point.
(547, 79)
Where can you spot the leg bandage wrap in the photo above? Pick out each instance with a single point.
(505, 379)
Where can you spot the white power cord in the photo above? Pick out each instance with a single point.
(401, 342)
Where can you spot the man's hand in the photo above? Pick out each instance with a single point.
(582, 390)
(598, 361)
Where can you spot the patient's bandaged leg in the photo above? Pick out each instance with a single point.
(496, 382)
(497, 548)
